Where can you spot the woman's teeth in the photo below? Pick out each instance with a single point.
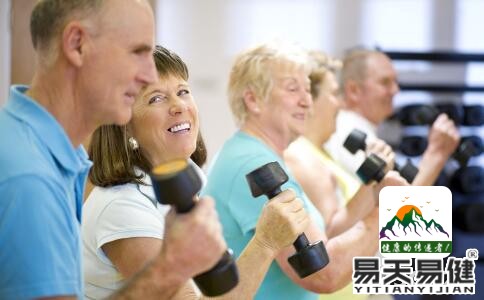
(179, 127)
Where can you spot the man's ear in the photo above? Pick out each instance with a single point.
(74, 38)
(352, 92)
(251, 101)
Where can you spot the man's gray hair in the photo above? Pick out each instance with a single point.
(49, 17)
(355, 65)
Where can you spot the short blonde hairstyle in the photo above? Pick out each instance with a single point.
(252, 71)
(321, 65)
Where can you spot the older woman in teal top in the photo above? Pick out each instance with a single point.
(269, 94)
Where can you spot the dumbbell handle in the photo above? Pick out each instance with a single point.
(301, 241)
(184, 207)
(178, 189)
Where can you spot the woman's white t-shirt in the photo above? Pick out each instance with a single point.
(119, 212)
(110, 214)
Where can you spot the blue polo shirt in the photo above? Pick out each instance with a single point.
(42, 179)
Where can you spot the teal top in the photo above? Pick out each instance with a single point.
(239, 211)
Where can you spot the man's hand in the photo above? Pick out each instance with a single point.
(281, 221)
(443, 137)
(193, 241)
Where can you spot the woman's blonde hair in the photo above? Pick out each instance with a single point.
(252, 71)
(321, 65)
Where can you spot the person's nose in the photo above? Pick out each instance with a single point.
(177, 106)
(306, 100)
(147, 73)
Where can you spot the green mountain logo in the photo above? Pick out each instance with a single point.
(409, 220)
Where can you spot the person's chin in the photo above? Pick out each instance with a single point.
(182, 151)
(297, 132)
(117, 117)
(123, 118)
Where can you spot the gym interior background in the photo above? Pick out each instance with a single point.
(207, 34)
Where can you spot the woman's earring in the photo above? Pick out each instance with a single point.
(133, 143)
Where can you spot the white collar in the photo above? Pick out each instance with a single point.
(356, 120)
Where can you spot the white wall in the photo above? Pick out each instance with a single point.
(208, 34)
(4, 50)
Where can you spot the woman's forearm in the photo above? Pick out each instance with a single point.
(253, 264)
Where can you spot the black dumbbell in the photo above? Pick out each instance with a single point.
(176, 183)
(464, 152)
(421, 114)
(443, 179)
(413, 145)
(453, 111)
(426, 115)
(309, 258)
(417, 114)
(473, 115)
(373, 168)
(416, 145)
(476, 142)
(468, 217)
(469, 180)
(356, 140)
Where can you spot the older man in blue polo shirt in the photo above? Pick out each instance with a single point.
(93, 57)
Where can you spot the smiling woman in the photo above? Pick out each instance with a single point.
(123, 224)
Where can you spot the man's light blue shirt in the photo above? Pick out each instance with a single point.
(42, 178)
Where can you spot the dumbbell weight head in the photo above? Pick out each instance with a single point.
(413, 145)
(355, 141)
(175, 183)
(464, 152)
(417, 114)
(407, 171)
(468, 217)
(373, 168)
(267, 180)
(453, 111)
(476, 142)
(468, 180)
(473, 115)
(425, 115)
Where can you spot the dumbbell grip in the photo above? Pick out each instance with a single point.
(274, 192)
(211, 282)
(301, 241)
(184, 207)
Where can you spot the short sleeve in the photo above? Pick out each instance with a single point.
(129, 218)
(246, 209)
(39, 237)
(242, 205)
